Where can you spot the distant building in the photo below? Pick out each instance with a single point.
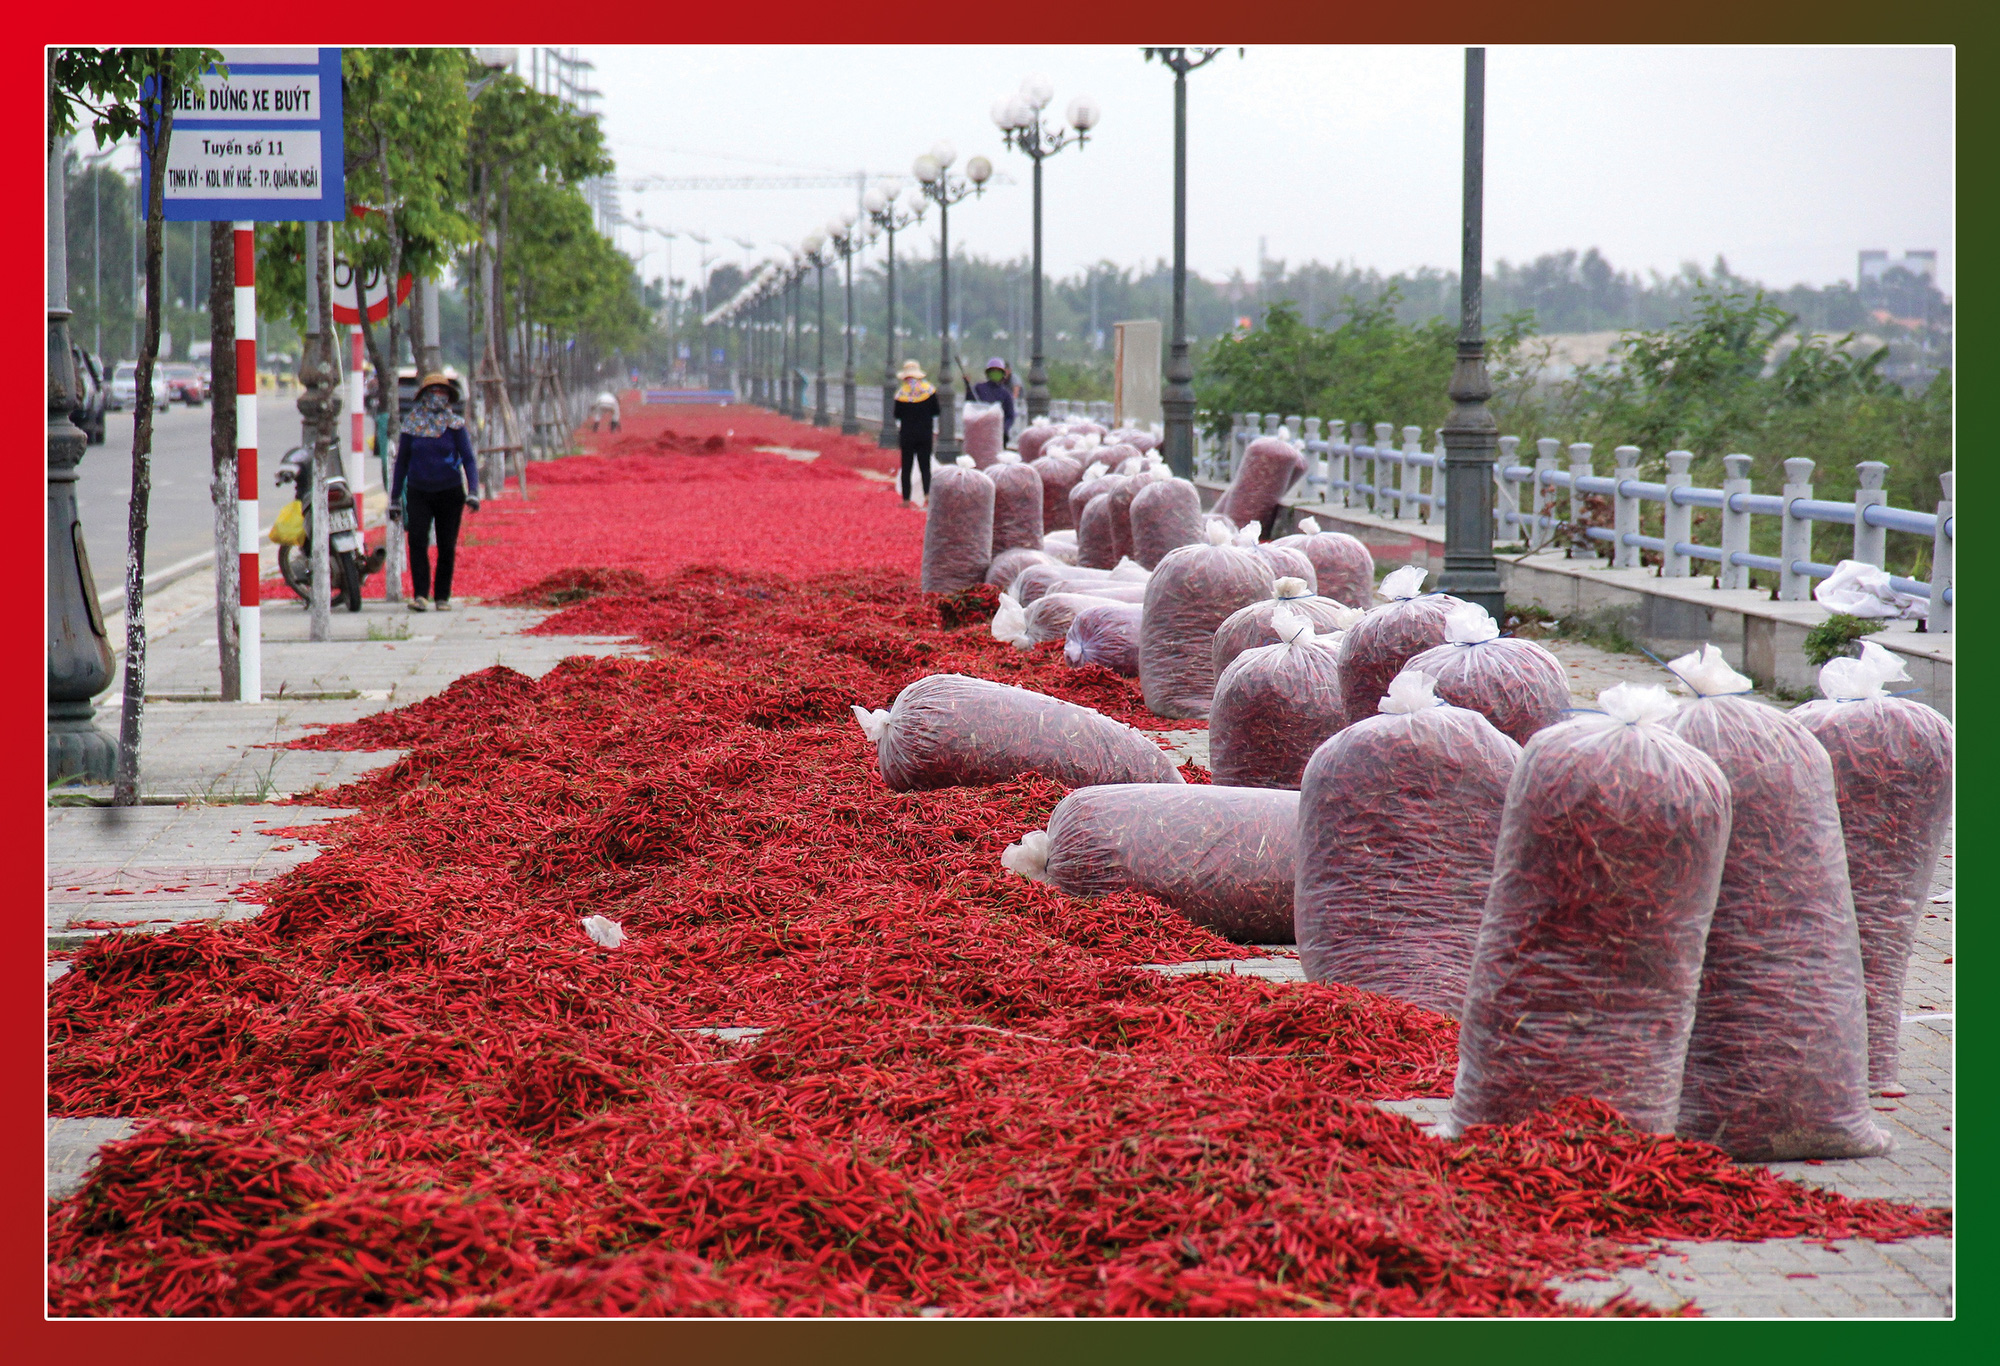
(1875, 264)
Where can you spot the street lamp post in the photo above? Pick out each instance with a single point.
(1177, 398)
(1471, 434)
(846, 240)
(815, 249)
(794, 400)
(933, 172)
(880, 204)
(1020, 120)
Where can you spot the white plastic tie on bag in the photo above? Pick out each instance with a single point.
(1409, 691)
(1247, 534)
(1288, 588)
(874, 724)
(1029, 858)
(1293, 628)
(1345, 616)
(1284, 433)
(1705, 673)
(1007, 458)
(1638, 704)
(1469, 624)
(1403, 584)
(1218, 534)
(966, 462)
(1155, 461)
(1095, 472)
(1308, 526)
(1132, 464)
(1853, 680)
(1129, 570)
(1010, 621)
(603, 932)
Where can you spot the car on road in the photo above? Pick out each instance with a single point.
(125, 387)
(184, 383)
(89, 415)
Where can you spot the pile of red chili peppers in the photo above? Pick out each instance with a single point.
(415, 1086)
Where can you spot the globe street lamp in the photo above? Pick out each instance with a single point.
(1471, 434)
(884, 213)
(845, 239)
(788, 322)
(1177, 398)
(1019, 118)
(815, 250)
(933, 172)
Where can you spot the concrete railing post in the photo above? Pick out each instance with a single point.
(1942, 560)
(1438, 483)
(1271, 423)
(1507, 494)
(1387, 466)
(1679, 519)
(1735, 525)
(1579, 468)
(1296, 425)
(1871, 543)
(1625, 509)
(1543, 500)
(1410, 479)
(1795, 533)
(1316, 461)
(1336, 461)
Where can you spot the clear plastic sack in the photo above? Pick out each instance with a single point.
(1036, 580)
(1008, 566)
(1097, 528)
(1777, 1064)
(1034, 437)
(958, 528)
(1516, 684)
(1892, 765)
(1165, 515)
(1249, 627)
(1588, 962)
(948, 730)
(1345, 567)
(1270, 466)
(1017, 504)
(1194, 590)
(1121, 505)
(1106, 634)
(1088, 486)
(1221, 856)
(1137, 437)
(1398, 816)
(1390, 636)
(1289, 563)
(985, 431)
(1046, 618)
(1060, 546)
(1274, 705)
(1058, 474)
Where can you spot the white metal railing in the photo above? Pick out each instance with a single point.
(1348, 469)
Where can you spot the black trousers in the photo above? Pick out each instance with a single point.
(921, 456)
(445, 508)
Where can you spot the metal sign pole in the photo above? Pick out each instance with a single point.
(249, 613)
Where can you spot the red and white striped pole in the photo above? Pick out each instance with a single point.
(249, 624)
(357, 445)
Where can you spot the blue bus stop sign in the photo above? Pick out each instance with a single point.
(262, 143)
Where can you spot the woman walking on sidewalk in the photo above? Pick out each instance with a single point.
(435, 481)
(916, 410)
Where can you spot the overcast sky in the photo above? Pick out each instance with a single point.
(1785, 160)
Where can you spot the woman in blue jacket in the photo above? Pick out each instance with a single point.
(436, 479)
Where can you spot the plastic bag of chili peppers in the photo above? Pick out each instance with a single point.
(1009, 564)
(1346, 570)
(1036, 580)
(1249, 627)
(1166, 514)
(1777, 1065)
(984, 434)
(1398, 815)
(1017, 504)
(1194, 590)
(1221, 856)
(948, 730)
(1516, 684)
(1273, 706)
(1058, 474)
(1046, 618)
(1390, 636)
(1087, 487)
(1106, 633)
(1034, 437)
(958, 528)
(1096, 528)
(1892, 765)
(1271, 465)
(1060, 546)
(1588, 962)
(1121, 503)
(1289, 563)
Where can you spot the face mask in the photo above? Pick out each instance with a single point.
(997, 376)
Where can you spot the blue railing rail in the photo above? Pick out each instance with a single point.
(1351, 466)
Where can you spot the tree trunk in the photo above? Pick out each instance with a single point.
(222, 449)
(391, 399)
(125, 787)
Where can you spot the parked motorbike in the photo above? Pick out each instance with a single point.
(344, 558)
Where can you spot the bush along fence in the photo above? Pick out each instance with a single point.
(1563, 503)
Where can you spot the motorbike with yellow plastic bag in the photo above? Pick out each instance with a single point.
(292, 531)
